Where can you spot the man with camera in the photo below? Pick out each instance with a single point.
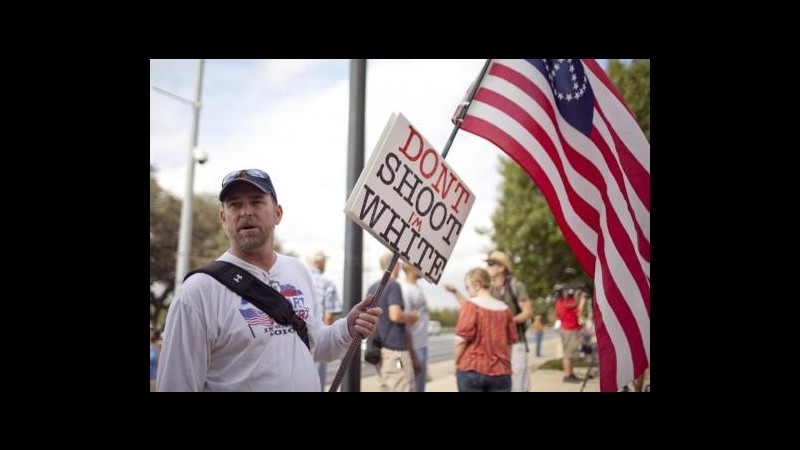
(568, 309)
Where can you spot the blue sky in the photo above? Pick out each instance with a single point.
(290, 118)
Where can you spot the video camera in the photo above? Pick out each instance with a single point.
(570, 289)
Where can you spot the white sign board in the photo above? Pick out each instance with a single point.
(410, 199)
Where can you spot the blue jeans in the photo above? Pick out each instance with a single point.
(322, 369)
(422, 356)
(538, 336)
(471, 381)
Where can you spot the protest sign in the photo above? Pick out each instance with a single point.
(410, 199)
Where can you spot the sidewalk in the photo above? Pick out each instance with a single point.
(442, 375)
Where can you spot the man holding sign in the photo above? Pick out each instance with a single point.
(218, 340)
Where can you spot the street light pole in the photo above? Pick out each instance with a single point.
(185, 234)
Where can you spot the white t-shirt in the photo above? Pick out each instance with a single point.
(214, 340)
(415, 301)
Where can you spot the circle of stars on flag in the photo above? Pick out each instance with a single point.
(578, 87)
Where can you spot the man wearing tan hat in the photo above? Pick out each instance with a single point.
(509, 289)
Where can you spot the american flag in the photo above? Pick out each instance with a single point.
(255, 316)
(567, 126)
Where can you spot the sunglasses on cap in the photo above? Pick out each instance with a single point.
(240, 173)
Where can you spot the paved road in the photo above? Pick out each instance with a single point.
(440, 348)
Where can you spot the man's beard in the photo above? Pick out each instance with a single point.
(253, 239)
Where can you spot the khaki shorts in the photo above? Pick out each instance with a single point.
(569, 338)
(394, 378)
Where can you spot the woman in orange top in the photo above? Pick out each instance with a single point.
(484, 334)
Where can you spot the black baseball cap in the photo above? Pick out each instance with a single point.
(256, 177)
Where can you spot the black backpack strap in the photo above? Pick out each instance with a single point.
(509, 286)
(520, 326)
(256, 292)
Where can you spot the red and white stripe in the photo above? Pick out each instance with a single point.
(598, 188)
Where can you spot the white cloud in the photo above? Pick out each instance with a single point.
(290, 118)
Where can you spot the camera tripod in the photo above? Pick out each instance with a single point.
(592, 363)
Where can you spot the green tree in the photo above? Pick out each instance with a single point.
(208, 239)
(446, 316)
(633, 83)
(164, 222)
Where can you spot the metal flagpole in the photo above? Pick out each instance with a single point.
(463, 106)
(459, 117)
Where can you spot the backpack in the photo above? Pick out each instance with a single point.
(372, 354)
(521, 327)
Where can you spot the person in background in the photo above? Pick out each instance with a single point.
(512, 291)
(153, 357)
(159, 341)
(329, 305)
(216, 340)
(398, 359)
(567, 310)
(416, 303)
(638, 382)
(509, 289)
(484, 334)
(538, 334)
